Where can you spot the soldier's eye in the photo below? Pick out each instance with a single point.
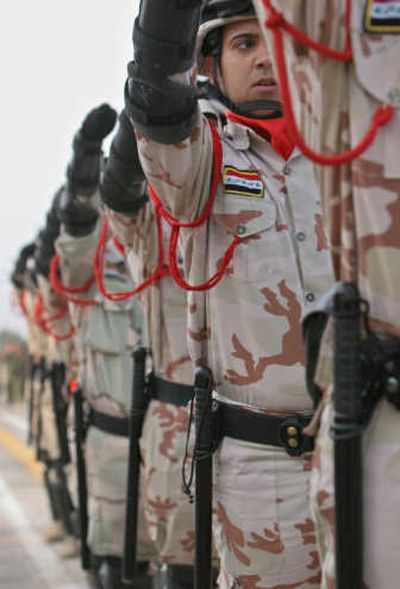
(245, 44)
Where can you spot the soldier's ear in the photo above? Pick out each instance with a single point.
(207, 67)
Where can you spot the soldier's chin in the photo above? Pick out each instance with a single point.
(265, 93)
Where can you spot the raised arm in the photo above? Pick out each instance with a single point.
(79, 208)
(174, 140)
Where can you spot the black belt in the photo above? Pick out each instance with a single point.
(118, 426)
(284, 432)
(166, 391)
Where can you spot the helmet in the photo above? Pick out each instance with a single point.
(215, 15)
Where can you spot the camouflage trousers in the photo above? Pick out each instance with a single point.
(381, 488)
(169, 515)
(107, 468)
(48, 440)
(264, 532)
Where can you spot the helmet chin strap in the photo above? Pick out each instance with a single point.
(250, 108)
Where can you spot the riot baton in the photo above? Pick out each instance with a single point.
(80, 434)
(347, 432)
(136, 415)
(60, 409)
(31, 402)
(203, 452)
(39, 430)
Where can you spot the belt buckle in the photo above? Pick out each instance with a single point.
(291, 436)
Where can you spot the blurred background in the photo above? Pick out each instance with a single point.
(58, 59)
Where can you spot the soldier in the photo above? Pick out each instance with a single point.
(263, 252)
(106, 334)
(169, 515)
(21, 279)
(25, 281)
(345, 92)
(51, 316)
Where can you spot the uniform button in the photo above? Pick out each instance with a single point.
(310, 297)
(301, 236)
(292, 431)
(293, 443)
(240, 229)
(286, 170)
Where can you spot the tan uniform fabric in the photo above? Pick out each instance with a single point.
(247, 329)
(36, 346)
(334, 103)
(53, 351)
(106, 335)
(169, 515)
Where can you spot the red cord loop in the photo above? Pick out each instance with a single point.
(98, 266)
(176, 225)
(217, 151)
(43, 322)
(65, 290)
(276, 20)
(210, 282)
(381, 116)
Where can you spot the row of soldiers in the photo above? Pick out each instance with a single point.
(220, 221)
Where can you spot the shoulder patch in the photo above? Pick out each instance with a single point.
(382, 16)
(242, 182)
(117, 271)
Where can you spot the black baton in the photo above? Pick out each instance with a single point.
(347, 430)
(60, 410)
(80, 434)
(203, 461)
(137, 411)
(31, 403)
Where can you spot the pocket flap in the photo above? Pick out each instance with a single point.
(242, 216)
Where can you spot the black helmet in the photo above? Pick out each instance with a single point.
(213, 9)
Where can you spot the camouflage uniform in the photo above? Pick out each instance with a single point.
(36, 347)
(335, 102)
(106, 335)
(264, 530)
(169, 515)
(50, 449)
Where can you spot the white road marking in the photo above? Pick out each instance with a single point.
(44, 558)
(18, 422)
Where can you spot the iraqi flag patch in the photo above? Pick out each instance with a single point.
(242, 182)
(382, 16)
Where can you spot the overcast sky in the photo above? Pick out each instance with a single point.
(59, 59)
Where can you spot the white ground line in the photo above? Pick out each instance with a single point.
(16, 421)
(45, 560)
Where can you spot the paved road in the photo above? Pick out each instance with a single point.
(26, 562)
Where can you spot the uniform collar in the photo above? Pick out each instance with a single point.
(272, 130)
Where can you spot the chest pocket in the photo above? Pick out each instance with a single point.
(255, 222)
(107, 331)
(370, 52)
(109, 363)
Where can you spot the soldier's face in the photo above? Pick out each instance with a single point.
(246, 65)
